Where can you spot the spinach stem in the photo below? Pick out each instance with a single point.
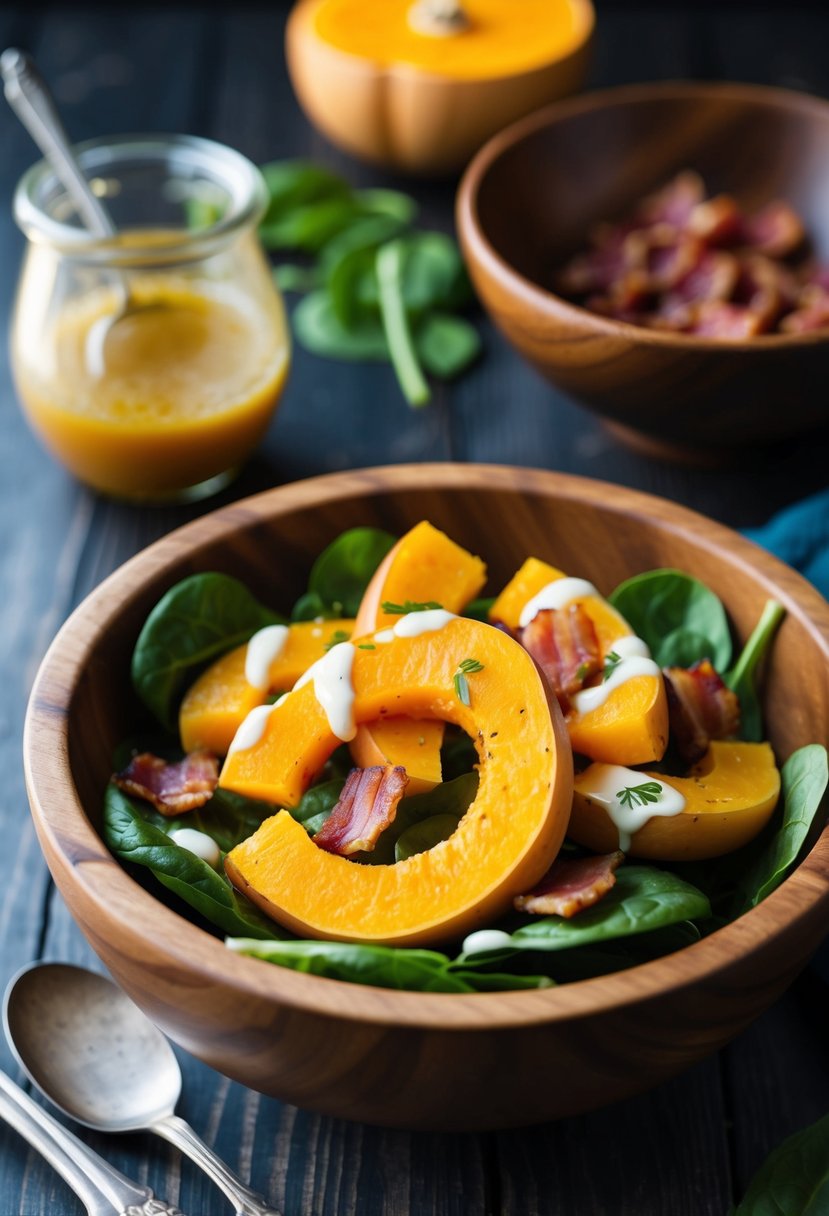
(757, 645)
(389, 266)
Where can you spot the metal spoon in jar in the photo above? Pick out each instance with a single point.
(93, 1053)
(29, 97)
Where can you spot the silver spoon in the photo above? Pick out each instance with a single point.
(93, 1053)
(29, 97)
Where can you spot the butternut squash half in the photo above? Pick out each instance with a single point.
(507, 839)
(424, 566)
(631, 725)
(729, 797)
(215, 706)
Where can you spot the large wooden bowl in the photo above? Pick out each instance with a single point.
(411, 1059)
(532, 193)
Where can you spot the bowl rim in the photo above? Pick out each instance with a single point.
(115, 896)
(478, 247)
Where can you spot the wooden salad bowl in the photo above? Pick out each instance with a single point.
(530, 196)
(422, 1060)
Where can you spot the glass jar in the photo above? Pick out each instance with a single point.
(150, 363)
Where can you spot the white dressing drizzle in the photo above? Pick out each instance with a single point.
(486, 939)
(200, 843)
(558, 594)
(263, 649)
(604, 783)
(635, 661)
(331, 676)
(413, 624)
(251, 729)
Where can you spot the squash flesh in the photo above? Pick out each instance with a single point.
(729, 797)
(504, 843)
(631, 727)
(413, 744)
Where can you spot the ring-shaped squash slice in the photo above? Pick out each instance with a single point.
(504, 843)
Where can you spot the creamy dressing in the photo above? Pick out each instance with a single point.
(251, 729)
(413, 624)
(263, 649)
(558, 594)
(331, 677)
(486, 939)
(635, 661)
(200, 843)
(604, 783)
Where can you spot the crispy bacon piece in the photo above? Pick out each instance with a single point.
(171, 788)
(368, 804)
(564, 644)
(674, 203)
(730, 322)
(700, 708)
(805, 320)
(777, 230)
(570, 885)
(717, 221)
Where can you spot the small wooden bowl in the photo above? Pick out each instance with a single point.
(422, 1060)
(531, 194)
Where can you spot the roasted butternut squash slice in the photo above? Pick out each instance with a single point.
(424, 566)
(503, 844)
(628, 720)
(215, 706)
(729, 796)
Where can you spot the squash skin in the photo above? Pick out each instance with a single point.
(502, 846)
(632, 725)
(217, 703)
(729, 797)
(424, 565)
(410, 118)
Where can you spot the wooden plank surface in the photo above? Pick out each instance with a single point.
(690, 1146)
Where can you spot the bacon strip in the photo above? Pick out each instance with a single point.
(171, 788)
(571, 884)
(368, 804)
(564, 644)
(700, 708)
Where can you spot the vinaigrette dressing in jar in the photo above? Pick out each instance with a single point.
(149, 364)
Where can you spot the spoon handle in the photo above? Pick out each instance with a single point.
(32, 102)
(246, 1201)
(103, 1190)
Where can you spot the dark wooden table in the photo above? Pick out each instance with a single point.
(685, 1149)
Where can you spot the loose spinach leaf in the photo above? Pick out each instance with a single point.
(662, 603)
(642, 900)
(422, 836)
(433, 273)
(290, 277)
(343, 570)
(742, 679)
(198, 619)
(293, 183)
(803, 779)
(317, 803)
(794, 1181)
(320, 331)
(390, 264)
(391, 203)
(380, 966)
(133, 838)
(446, 344)
(348, 266)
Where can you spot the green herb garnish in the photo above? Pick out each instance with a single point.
(466, 667)
(611, 662)
(339, 635)
(639, 795)
(409, 606)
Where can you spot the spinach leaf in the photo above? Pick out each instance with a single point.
(422, 836)
(742, 678)
(290, 277)
(198, 619)
(228, 817)
(500, 981)
(662, 603)
(343, 570)
(458, 755)
(433, 273)
(310, 226)
(478, 609)
(794, 1181)
(348, 265)
(803, 779)
(132, 838)
(319, 330)
(391, 203)
(317, 803)
(380, 966)
(446, 345)
(389, 264)
(643, 899)
(293, 183)
(448, 800)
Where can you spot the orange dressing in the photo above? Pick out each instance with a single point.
(501, 37)
(188, 384)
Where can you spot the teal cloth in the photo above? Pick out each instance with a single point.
(800, 536)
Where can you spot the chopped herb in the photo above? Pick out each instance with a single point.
(639, 795)
(339, 635)
(611, 662)
(465, 667)
(366, 646)
(409, 606)
(581, 672)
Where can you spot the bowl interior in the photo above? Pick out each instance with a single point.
(577, 164)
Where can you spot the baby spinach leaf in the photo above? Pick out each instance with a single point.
(319, 330)
(389, 266)
(293, 183)
(317, 803)
(348, 261)
(446, 345)
(803, 780)
(343, 570)
(380, 966)
(500, 981)
(228, 817)
(290, 277)
(742, 678)
(432, 273)
(794, 1181)
(422, 836)
(392, 203)
(197, 620)
(448, 800)
(662, 603)
(132, 838)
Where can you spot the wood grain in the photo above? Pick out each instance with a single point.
(462, 1062)
(529, 198)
